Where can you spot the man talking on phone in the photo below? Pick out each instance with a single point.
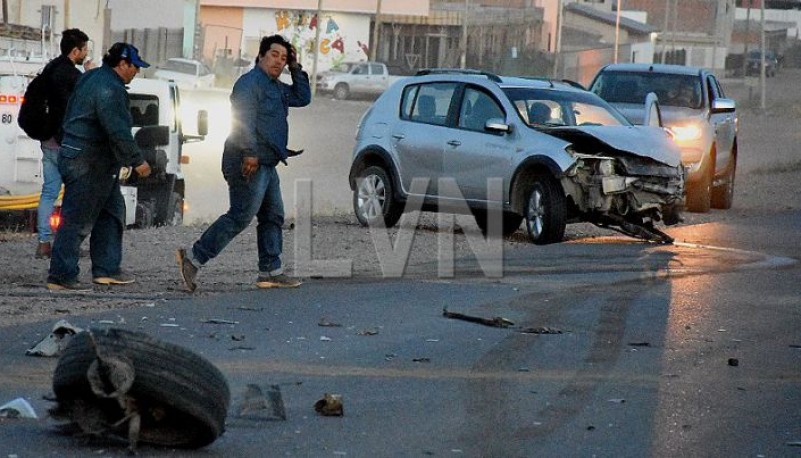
(258, 142)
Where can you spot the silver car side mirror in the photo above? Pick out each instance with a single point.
(497, 125)
(723, 106)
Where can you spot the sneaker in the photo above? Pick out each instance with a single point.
(43, 250)
(118, 279)
(187, 269)
(74, 286)
(277, 281)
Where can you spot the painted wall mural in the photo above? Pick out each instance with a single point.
(343, 37)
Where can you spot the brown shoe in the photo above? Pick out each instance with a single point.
(187, 269)
(277, 281)
(43, 250)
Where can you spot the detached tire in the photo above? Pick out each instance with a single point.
(182, 398)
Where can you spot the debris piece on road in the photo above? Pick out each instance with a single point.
(219, 321)
(242, 347)
(330, 405)
(793, 444)
(250, 309)
(734, 362)
(795, 345)
(256, 405)
(368, 332)
(56, 341)
(540, 330)
(617, 401)
(324, 323)
(18, 408)
(496, 322)
(170, 325)
(237, 337)
(421, 360)
(639, 344)
(325, 339)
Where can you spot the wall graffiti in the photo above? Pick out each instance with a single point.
(337, 43)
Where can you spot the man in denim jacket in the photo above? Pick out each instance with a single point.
(97, 142)
(257, 143)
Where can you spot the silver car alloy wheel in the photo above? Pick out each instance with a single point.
(535, 213)
(372, 197)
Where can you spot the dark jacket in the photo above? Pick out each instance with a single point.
(62, 75)
(260, 105)
(98, 121)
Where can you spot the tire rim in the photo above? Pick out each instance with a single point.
(372, 197)
(535, 213)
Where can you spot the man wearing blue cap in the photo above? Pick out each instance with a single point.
(97, 142)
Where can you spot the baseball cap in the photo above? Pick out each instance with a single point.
(128, 52)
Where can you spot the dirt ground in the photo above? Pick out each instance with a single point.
(149, 254)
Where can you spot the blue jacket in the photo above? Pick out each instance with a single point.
(260, 105)
(98, 120)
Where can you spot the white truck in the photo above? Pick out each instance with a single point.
(158, 129)
(352, 78)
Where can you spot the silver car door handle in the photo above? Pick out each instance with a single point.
(455, 143)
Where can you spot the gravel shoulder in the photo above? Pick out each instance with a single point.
(763, 187)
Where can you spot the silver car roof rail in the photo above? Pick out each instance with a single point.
(458, 71)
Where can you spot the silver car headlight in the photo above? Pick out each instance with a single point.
(686, 132)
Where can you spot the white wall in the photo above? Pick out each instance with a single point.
(793, 16)
(143, 14)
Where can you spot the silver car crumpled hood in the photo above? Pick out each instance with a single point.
(643, 141)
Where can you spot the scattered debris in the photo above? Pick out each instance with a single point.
(390, 356)
(169, 325)
(18, 408)
(421, 360)
(56, 342)
(330, 405)
(497, 322)
(328, 324)
(368, 332)
(639, 344)
(237, 337)
(325, 339)
(256, 405)
(734, 362)
(250, 309)
(795, 346)
(618, 401)
(541, 330)
(793, 444)
(432, 340)
(242, 347)
(220, 321)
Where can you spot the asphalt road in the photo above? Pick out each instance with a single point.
(639, 358)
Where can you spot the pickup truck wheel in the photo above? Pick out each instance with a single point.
(699, 195)
(175, 211)
(546, 211)
(341, 91)
(723, 195)
(182, 399)
(373, 198)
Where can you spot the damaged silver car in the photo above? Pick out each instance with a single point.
(511, 151)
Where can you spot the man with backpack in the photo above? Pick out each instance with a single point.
(54, 90)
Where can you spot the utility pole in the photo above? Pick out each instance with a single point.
(617, 30)
(5, 11)
(558, 44)
(374, 41)
(463, 58)
(316, 47)
(747, 39)
(762, 57)
(664, 31)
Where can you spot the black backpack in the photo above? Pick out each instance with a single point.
(34, 114)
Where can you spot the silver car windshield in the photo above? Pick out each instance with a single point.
(554, 108)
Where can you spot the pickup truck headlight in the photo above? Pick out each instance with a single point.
(686, 132)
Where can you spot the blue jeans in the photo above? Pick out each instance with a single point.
(260, 196)
(93, 204)
(51, 186)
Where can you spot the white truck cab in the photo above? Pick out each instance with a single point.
(157, 128)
